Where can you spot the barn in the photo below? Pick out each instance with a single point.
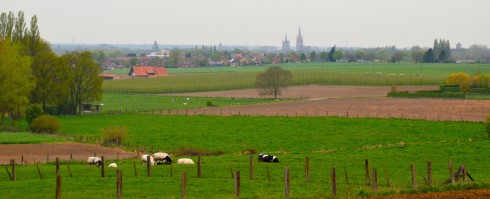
(147, 72)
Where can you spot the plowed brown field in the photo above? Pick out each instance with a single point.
(42, 152)
(349, 101)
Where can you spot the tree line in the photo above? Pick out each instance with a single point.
(31, 73)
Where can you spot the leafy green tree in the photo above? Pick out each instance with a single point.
(396, 57)
(302, 57)
(324, 56)
(16, 81)
(33, 111)
(428, 56)
(338, 55)
(84, 82)
(51, 78)
(313, 56)
(273, 81)
(330, 54)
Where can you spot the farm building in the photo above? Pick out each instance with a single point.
(110, 76)
(147, 72)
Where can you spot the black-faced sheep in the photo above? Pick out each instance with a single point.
(162, 158)
(94, 160)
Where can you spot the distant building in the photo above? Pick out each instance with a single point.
(299, 41)
(459, 46)
(155, 47)
(147, 72)
(285, 44)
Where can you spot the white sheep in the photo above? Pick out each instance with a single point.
(112, 165)
(162, 158)
(94, 160)
(144, 158)
(185, 161)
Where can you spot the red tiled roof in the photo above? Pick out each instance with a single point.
(148, 71)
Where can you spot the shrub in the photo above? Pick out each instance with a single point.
(115, 134)
(33, 111)
(209, 103)
(45, 124)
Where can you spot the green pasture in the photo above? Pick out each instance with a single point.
(28, 138)
(387, 68)
(330, 142)
(243, 77)
(129, 103)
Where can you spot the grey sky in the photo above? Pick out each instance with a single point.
(352, 23)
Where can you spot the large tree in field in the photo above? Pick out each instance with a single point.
(16, 81)
(273, 81)
(84, 82)
(52, 81)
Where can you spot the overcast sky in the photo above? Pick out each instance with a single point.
(351, 23)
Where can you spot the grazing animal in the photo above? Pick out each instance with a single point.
(268, 158)
(112, 165)
(185, 161)
(94, 160)
(187, 99)
(145, 157)
(162, 158)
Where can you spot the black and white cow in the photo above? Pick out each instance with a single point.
(268, 158)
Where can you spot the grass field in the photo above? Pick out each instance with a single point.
(391, 144)
(395, 68)
(120, 102)
(28, 138)
(229, 78)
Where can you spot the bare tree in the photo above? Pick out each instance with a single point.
(273, 81)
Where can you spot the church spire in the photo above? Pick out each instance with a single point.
(299, 41)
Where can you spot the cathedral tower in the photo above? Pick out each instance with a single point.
(299, 41)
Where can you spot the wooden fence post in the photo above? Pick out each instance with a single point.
(368, 180)
(375, 180)
(307, 169)
(148, 166)
(39, 171)
(334, 182)
(58, 186)
(199, 166)
(135, 171)
(387, 178)
(237, 184)
(451, 173)
(69, 170)
(183, 194)
(119, 184)
(286, 183)
(102, 168)
(57, 166)
(463, 167)
(14, 173)
(171, 171)
(414, 183)
(268, 172)
(251, 168)
(429, 173)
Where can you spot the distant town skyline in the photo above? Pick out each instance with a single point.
(349, 23)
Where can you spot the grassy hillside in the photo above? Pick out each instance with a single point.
(28, 138)
(341, 143)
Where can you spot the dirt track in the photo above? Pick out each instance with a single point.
(39, 152)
